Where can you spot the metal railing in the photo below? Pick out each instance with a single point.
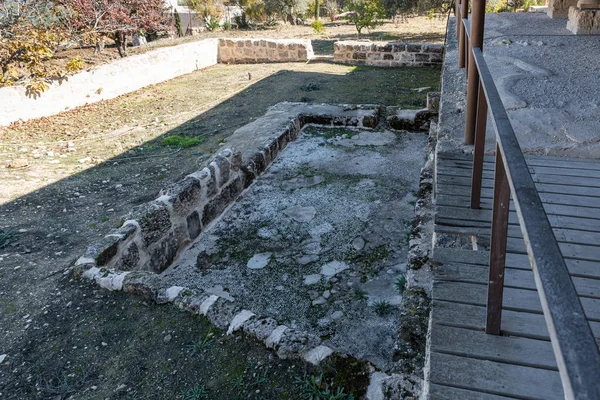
(575, 349)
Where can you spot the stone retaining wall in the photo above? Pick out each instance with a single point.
(251, 51)
(107, 81)
(384, 54)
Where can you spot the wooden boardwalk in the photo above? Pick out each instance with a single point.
(465, 363)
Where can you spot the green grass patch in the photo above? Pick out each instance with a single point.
(181, 142)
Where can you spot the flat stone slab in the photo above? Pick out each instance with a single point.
(315, 242)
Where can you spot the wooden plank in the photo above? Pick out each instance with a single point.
(541, 186)
(562, 170)
(514, 299)
(556, 221)
(442, 392)
(518, 278)
(568, 250)
(495, 378)
(514, 323)
(465, 190)
(446, 255)
(581, 181)
(577, 163)
(514, 277)
(507, 349)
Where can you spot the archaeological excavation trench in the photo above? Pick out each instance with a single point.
(297, 234)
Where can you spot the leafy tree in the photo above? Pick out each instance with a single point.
(365, 14)
(30, 35)
(115, 18)
(404, 7)
(206, 8)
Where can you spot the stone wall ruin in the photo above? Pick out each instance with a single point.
(383, 54)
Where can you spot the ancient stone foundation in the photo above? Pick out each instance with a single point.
(560, 8)
(155, 233)
(584, 21)
(252, 51)
(383, 54)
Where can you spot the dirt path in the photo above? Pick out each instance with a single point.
(92, 165)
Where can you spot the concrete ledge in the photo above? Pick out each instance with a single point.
(384, 54)
(584, 21)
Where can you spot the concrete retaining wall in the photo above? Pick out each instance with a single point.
(108, 81)
(383, 54)
(251, 51)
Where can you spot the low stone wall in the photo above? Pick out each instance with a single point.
(252, 51)
(584, 21)
(155, 233)
(107, 81)
(559, 8)
(383, 54)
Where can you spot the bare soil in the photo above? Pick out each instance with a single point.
(86, 169)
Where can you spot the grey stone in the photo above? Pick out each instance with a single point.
(193, 224)
(300, 214)
(312, 279)
(307, 259)
(259, 261)
(332, 268)
(319, 301)
(358, 243)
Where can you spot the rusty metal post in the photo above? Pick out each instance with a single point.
(462, 37)
(497, 247)
(458, 18)
(477, 22)
(479, 148)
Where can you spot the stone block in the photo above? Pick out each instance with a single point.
(433, 101)
(560, 8)
(223, 165)
(422, 57)
(215, 207)
(130, 258)
(584, 21)
(164, 252)
(388, 56)
(413, 48)
(154, 220)
(359, 56)
(184, 195)
(193, 224)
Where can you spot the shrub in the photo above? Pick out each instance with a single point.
(365, 14)
(318, 27)
(211, 23)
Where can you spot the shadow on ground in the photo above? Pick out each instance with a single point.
(68, 339)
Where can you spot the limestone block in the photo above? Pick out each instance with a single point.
(584, 22)
(184, 195)
(164, 252)
(560, 8)
(154, 220)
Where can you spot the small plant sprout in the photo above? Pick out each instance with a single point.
(6, 237)
(202, 343)
(195, 393)
(316, 388)
(360, 295)
(400, 284)
(383, 308)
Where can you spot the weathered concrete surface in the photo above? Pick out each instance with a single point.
(332, 213)
(547, 79)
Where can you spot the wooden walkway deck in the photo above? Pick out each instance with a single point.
(465, 363)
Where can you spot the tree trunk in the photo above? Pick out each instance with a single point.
(121, 42)
(99, 48)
